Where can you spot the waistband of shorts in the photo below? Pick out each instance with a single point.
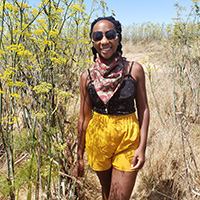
(114, 117)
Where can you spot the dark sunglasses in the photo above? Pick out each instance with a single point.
(98, 35)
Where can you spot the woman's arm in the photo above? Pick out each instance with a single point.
(143, 115)
(84, 118)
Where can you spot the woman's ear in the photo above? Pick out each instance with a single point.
(117, 40)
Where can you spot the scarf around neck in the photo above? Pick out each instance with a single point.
(108, 77)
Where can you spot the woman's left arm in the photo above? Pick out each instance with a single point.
(143, 116)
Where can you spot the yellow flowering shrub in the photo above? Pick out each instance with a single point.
(43, 50)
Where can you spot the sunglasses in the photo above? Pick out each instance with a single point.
(98, 35)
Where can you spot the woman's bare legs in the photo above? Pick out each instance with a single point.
(122, 184)
(116, 184)
(105, 180)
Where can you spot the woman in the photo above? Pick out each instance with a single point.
(114, 139)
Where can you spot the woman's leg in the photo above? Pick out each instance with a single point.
(105, 180)
(122, 184)
(116, 184)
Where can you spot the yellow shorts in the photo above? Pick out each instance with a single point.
(111, 141)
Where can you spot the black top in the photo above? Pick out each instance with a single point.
(121, 103)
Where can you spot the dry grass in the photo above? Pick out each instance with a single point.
(173, 147)
(141, 51)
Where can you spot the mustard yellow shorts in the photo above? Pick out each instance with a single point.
(111, 141)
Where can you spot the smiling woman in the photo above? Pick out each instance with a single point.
(115, 140)
(105, 47)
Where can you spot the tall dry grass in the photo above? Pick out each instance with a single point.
(172, 69)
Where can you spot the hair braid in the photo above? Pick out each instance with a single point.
(94, 51)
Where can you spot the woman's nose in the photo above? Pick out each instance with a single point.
(104, 39)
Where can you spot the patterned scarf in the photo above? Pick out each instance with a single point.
(108, 77)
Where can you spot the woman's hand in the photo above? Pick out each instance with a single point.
(138, 159)
(79, 169)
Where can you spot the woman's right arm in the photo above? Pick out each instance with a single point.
(84, 118)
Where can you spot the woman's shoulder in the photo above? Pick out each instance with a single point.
(85, 76)
(134, 64)
(138, 67)
(138, 71)
(135, 68)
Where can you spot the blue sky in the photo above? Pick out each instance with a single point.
(139, 11)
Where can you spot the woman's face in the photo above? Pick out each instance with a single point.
(105, 47)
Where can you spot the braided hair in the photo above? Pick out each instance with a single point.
(118, 29)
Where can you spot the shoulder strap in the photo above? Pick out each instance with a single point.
(90, 82)
(131, 67)
(89, 75)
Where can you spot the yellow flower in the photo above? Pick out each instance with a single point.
(19, 84)
(40, 115)
(25, 53)
(14, 95)
(44, 87)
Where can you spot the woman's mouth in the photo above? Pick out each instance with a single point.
(105, 49)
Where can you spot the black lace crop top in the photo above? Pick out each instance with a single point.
(121, 103)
